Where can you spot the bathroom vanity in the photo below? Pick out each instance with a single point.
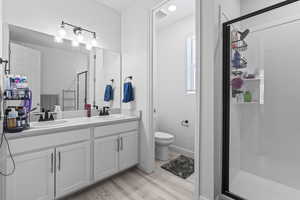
(57, 158)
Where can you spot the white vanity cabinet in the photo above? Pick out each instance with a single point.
(53, 165)
(115, 150)
(106, 157)
(33, 178)
(64, 167)
(72, 168)
(128, 153)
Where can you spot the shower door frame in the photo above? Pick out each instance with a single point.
(227, 96)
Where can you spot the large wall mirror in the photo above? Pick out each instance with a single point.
(60, 74)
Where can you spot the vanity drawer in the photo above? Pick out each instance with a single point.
(104, 131)
(50, 140)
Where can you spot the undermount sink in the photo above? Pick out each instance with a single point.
(47, 123)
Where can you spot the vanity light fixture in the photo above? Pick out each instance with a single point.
(94, 41)
(172, 8)
(75, 42)
(78, 35)
(88, 46)
(58, 39)
(62, 31)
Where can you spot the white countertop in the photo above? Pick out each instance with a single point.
(40, 128)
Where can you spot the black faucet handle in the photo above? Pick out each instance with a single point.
(106, 110)
(41, 118)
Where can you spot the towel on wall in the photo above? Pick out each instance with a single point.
(128, 93)
(109, 93)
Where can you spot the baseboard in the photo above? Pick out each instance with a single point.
(182, 151)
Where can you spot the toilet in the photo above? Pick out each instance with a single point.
(162, 142)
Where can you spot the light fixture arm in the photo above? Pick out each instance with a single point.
(78, 28)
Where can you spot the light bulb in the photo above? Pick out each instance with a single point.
(58, 39)
(62, 31)
(75, 43)
(79, 37)
(88, 46)
(94, 42)
(172, 8)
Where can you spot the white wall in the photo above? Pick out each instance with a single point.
(174, 104)
(45, 16)
(248, 6)
(135, 36)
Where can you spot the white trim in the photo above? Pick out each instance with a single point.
(183, 151)
(152, 58)
(197, 150)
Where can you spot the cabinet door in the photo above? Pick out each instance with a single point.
(128, 150)
(72, 168)
(33, 178)
(105, 157)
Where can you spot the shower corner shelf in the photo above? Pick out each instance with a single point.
(253, 79)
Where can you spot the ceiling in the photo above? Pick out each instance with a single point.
(184, 8)
(118, 5)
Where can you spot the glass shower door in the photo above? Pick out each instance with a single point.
(261, 108)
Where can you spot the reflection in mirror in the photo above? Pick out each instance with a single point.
(60, 74)
(107, 73)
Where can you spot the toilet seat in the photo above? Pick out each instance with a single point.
(163, 136)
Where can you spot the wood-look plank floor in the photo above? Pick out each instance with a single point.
(136, 185)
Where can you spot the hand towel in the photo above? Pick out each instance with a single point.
(128, 93)
(109, 93)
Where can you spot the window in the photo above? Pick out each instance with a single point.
(191, 65)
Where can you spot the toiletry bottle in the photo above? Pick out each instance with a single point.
(19, 122)
(17, 81)
(88, 108)
(12, 82)
(247, 96)
(12, 119)
(57, 110)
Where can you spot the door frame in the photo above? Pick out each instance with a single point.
(152, 60)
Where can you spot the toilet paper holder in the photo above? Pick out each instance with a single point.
(185, 123)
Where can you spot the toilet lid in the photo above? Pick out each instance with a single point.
(164, 136)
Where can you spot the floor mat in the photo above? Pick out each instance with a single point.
(182, 166)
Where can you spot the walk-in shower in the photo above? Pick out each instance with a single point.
(261, 97)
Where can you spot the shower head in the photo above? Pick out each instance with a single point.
(244, 34)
